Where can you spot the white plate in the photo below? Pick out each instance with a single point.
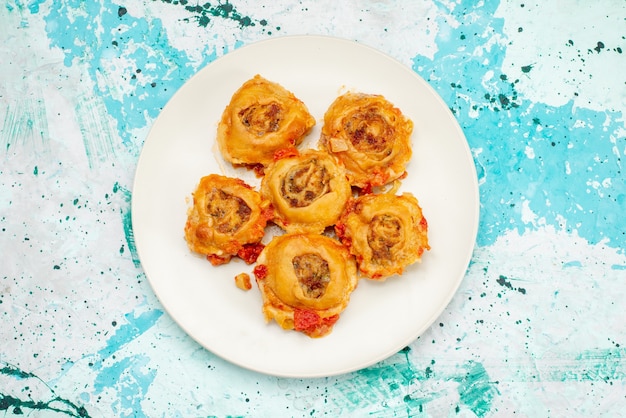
(382, 318)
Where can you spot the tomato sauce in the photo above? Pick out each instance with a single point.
(260, 272)
(250, 252)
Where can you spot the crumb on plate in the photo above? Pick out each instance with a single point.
(242, 280)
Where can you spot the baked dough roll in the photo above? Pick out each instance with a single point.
(227, 218)
(385, 232)
(306, 281)
(261, 118)
(308, 191)
(370, 136)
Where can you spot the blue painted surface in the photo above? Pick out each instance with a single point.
(536, 327)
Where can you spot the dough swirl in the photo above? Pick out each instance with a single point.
(306, 281)
(385, 232)
(227, 216)
(261, 118)
(308, 191)
(369, 136)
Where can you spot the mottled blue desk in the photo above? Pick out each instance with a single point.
(537, 328)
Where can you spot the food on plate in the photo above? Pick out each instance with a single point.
(308, 191)
(306, 281)
(305, 276)
(385, 232)
(227, 219)
(369, 136)
(261, 118)
(242, 281)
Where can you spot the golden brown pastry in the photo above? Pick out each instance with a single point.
(385, 232)
(370, 136)
(261, 118)
(242, 281)
(308, 191)
(306, 281)
(227, 218)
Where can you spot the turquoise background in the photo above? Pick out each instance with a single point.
(536, 328)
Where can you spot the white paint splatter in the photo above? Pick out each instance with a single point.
(556, 43)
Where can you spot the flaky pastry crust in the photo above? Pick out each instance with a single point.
(308, 190)
(227, 217)
(261, 118)
(370, 136)
(306, 281)
(385, 232)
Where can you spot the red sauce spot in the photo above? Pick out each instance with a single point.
(367, 189)
(243, 183)
(250, 252)
(423, 223)
(351, 206)
(258, 169)
(310, 323)
(216, 260)
(340, 229)
(268, 213)
(285, 153)
(260, 272)
(305, 320)
(378, 178)
(330, 321)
